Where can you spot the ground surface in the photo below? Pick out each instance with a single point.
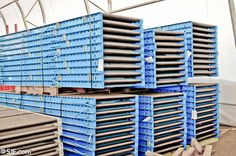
(227, 143)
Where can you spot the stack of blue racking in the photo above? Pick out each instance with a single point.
(162, 122)
(202, 99)
(201, 42)
(101, 51)
(165, 58)
(162, 115)
(94, 51)
(202, 111)
(93, 124)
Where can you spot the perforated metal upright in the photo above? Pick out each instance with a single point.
(165, 58)
(93, 51)
(201, 40)
(162, 122)
(92, 125)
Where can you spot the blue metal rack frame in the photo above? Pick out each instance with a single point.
(72, 54)
(92, 125)
(207, 38)
(162, 119)
(151, 50)
(202, 110)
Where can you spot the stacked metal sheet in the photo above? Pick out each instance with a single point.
(27, 133)
(165, 55)
(94, 51)
(201, 40)
(123, 51)
(162, 122)
(98, 124)
(202, 111)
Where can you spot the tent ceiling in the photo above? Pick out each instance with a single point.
(23, 11)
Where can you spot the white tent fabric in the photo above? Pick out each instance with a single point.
(228, 102)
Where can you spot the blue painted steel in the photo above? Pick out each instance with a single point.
(79, 117)
(147, 120)
(187, 27)
(150, 48)
(197, 101)
(39, 56)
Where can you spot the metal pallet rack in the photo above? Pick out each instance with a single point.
(201, 40)
(165, 56)
(92, 125)
(202, 110)
(162, 122)
(94, 51)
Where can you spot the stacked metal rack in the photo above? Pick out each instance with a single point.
(202, 99)
(202, 110)
(92, 124)
(94, 51)
(162, 122)
(166, 63)
(202, 47)
(102, 51)
(40, 135)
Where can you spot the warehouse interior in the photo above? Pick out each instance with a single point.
(27, 25)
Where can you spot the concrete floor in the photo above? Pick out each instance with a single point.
(226, 146)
